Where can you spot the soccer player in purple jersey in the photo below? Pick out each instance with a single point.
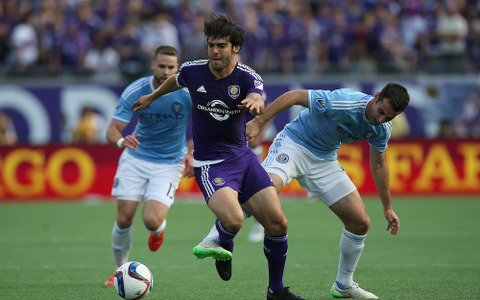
(226, 170)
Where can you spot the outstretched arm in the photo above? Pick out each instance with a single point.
(170, 85)
(253, 103)
(115, 138)
(381, 177)
(285, 101)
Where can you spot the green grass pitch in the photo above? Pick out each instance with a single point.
(62, 251)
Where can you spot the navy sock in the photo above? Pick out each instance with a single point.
(275, 249)
(226, 237)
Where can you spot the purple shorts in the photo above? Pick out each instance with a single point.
(242, 173)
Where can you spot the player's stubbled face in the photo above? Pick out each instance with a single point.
(220, 52)
(378, 112)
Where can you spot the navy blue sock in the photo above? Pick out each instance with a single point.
(275, 249)
(226, 237)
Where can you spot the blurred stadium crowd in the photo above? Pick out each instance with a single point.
(106, 38)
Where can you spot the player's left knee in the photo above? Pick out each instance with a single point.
(152, 224)
(278, 227)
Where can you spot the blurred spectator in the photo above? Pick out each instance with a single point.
(452, 30)
(252, 51)
(159, 31)
(127, 43)
(102, 61)
(88, 21)
(473, 38)
(90, 128)
(193, 41)
(391, 47)
(446, 130)
(6, 25)
(414, 34)
(71, 45)
(468, 124)
(339, 44)
(24, 42)
(8, 135)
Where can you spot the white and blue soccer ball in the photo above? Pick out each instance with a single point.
(133, 280)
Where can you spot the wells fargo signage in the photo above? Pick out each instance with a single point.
(416, 167)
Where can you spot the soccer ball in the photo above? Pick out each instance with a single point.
(133, 280)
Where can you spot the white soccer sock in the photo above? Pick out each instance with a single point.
(212, 235)
(121, 244)
(160, 229)
(351, 247)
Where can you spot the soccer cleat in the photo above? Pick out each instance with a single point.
(352, 292)
(224, 269)
(211, 249)
(155, 241)
(257, 233)
(283, 294)
(109, 281)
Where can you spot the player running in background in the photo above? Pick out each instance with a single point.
(226, 170)
(155, 156)
(306, 149)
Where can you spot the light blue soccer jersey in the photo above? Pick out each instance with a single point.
(162, 126)
(335, 117)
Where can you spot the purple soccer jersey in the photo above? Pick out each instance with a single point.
(218, 127)
(218, 124)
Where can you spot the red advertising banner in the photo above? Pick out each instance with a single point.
(76, 171)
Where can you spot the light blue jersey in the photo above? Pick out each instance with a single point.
(162, 126)
(336, 117)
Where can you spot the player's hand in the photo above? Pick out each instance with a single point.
(393, 221)
(131, 142)
(188, 161)
(142, 103)
(254, 106)
(252, 130)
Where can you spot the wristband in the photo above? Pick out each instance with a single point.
(119, 142)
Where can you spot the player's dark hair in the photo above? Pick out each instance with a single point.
(222, 26)
(166, 50)
(397, 94)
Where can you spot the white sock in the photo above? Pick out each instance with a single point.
(160, 229)
(212, 235)
(351, 247)
(121, 244)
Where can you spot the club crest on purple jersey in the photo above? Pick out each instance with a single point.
(234, 91)
(218, 181)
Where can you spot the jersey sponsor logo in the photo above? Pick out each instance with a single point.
(218, 110)
(218, 181)
(369, 135)
(177, 109)
(347, 134)
(282, 158)
(202, 89)
(234, 91)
